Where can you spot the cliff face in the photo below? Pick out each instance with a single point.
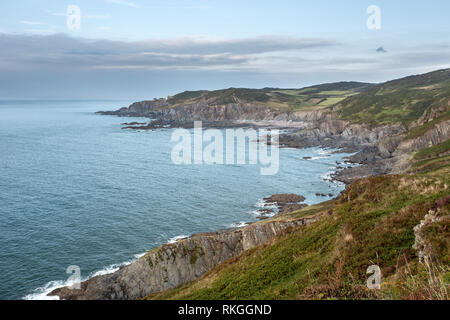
(381, 125)
(160, 109)
(438, 134)
(174, 264)
(381, 149)
(219, 113)
(319, 127)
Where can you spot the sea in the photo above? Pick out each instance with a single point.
(78, 190)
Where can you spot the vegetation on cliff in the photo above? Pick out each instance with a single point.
(309, 98)
(398, 222)
(403, 100)
(376, 221)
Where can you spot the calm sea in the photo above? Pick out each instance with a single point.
(75, 189)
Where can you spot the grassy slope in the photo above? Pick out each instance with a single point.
(403, 100)
(282, 99)
(371, 223)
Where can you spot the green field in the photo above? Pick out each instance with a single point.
(305, 99)
(403, 100)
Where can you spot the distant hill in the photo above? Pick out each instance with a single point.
(403, 100)
(309, 98)
(418, 102)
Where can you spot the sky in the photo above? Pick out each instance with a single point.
(136, 49)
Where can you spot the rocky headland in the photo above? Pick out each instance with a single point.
(173, 264)
(385, 143)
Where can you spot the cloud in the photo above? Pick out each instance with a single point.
(58, 14)
(102, 28)
(376, 65)
(60, 51)
(33, 23)
(85, 16)
(123, 3)
(269, 56)
(39, 28)
(97, 16)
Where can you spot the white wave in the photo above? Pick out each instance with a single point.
(110, 269)
(177, 238)
(319, 157)
(323, 152)
(139, 255)
(239, 225)
(327, 176)
(260, 205)
(258, 213)
(41, 293)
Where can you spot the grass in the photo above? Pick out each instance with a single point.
(399, 101)
(280, 99)
(431, 160)
(420, 130)
(404, 100)
(372, 222)
(434, 151)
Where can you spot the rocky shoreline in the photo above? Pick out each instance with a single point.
(378, 150)
(373, 147)
(187, 259)
(176, 263)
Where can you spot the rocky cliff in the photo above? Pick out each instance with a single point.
(381, 144)
(174, 264)
(159, 109)
(381, 149)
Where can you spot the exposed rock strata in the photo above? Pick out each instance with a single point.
(284, 199)
(174, 264)
(380, 150)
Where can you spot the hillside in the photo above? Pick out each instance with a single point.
(373, 222)
(396, 221)
(403, 100)
(394, 212)
(308, 98)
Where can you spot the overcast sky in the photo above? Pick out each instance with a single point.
(136, 49)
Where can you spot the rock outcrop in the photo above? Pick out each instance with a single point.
(438, 134)
(159, 109)
(380, 150)
(174, 264)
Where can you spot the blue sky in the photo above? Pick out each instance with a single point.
(136, 49)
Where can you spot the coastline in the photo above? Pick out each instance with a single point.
(300, 130)
(49, 290)
(372, 149)
(385, 150)
(41, 292)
